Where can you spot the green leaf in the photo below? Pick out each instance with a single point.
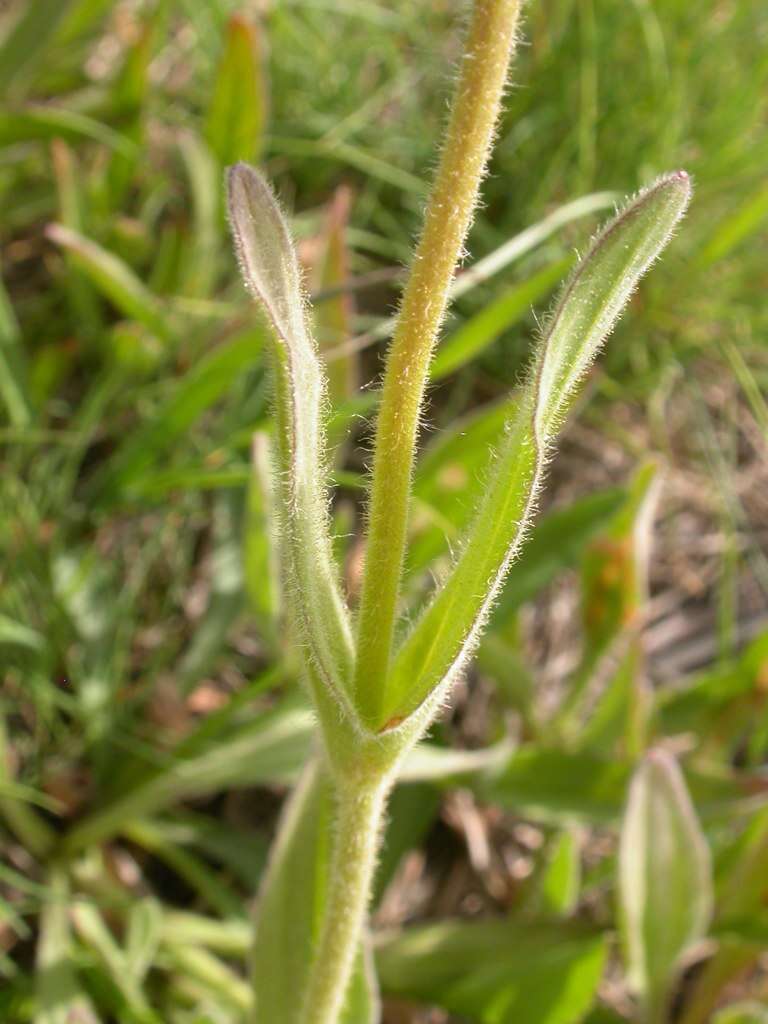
(742, 1013)
(291, 908)
(556, 543)
(558, 787)
(201, 263)
(226, 597)
(13, 387)
(484, 328)
(736, 227)
(237, 114)
(199, 389)
(115, 279)
(19, 635)
(448, 631)
(270, 268)
(665, 880)
(38, 121)
(333, 311)
(226, 987)
(143, 931)
(93, 931)
(268, 749)
(448, 482)
(496, 972)
(59, 994)
(597, 292)
(561, 880)
(26, 41)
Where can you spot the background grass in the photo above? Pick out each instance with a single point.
(151, 710)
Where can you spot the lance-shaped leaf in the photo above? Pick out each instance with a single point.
(665, 880)
(271, 271)
(590, 303)
(238, 111)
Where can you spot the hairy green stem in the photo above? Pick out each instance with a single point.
(357, 826)
(447, 220)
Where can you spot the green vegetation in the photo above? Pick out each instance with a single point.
(151, 704)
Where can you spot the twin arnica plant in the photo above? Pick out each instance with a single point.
(376, 687)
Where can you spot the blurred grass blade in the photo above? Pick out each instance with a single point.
(665, 881)
(203, 385)
(290, 912)
(93, 931)
(333, 314)
(448, 482)
(201, 268)
(484, 328)
(226, 987)
(738, 226)
(237, 115)
(12, 369)
(614, 587)
(556, 543)
(561, 880)
(143, 931)
(37, 121)
(225, 599)
(71, 202)
(31, 828)
(584, 315)
(60, 997)
(115, 279)
(501, 971)
(270, 268)
(743, 1012)
(27, 39)
(270, 749)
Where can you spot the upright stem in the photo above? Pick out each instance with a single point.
(357, 825)
(447, 220)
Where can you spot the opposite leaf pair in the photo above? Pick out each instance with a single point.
(443, 639)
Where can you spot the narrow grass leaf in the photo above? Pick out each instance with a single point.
(13, 388)
(71, 203)
(26, 42)
(561, 880)
(556, 543)
(115, 279)
(738, 226)
(92, 929)
(237, 115)
(203, 385)
(204, 181)
(270, 749)
(270, 268)
(665, 880)
(37, 121)
(333, 312)
(481, 330)
(60, 998)
(225, 985)
(598, 289)
(496, 971)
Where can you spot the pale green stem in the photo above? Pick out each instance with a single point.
(447, 220)
(357, 826)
